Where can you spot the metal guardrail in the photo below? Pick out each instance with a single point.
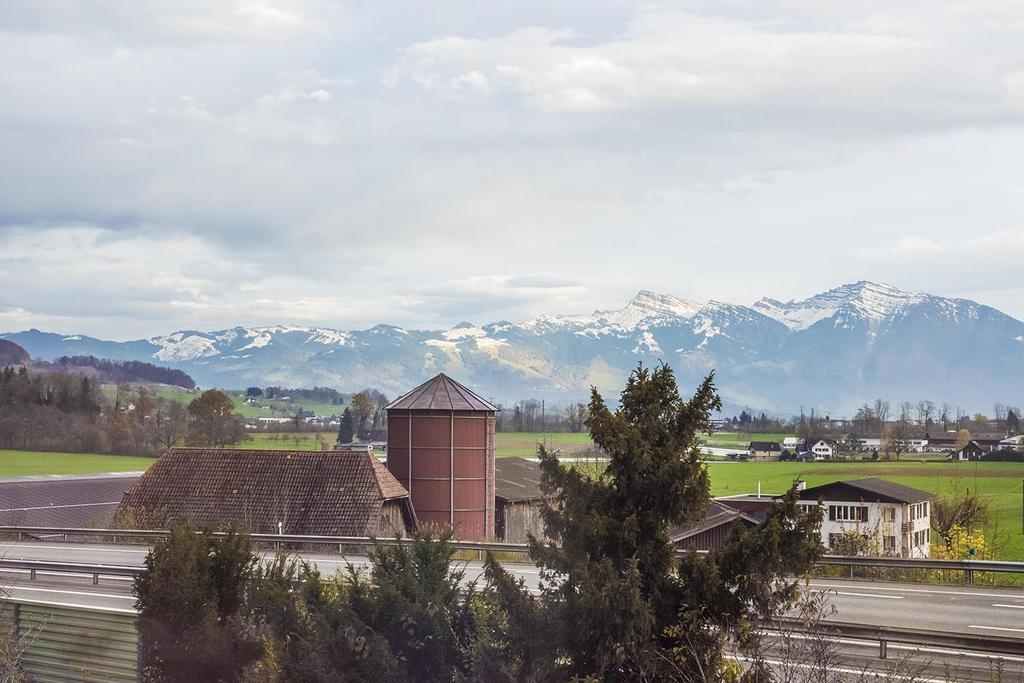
(1006, 645)
(94, 570)
(280, 540)
(276, 540)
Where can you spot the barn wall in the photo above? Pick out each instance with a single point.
(520, 519)
(391, 520)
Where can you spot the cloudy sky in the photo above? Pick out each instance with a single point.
(195, 164)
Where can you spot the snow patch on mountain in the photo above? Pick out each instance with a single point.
(463, 331)
(182, 346)
(646, 309)
(646, 343)
(327, 337)
(863, 300)
(258, 342)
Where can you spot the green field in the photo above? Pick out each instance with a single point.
(29, 463)
(733, 440)
(261, 408)
(290, 441)
(525, 443)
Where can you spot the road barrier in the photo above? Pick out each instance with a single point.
(73, 643)
(1004, 645)
(293, 541)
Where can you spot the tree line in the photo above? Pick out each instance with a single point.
(900, 421)
(61, 411)
(614, 602)
(123, 371)
(533, 415)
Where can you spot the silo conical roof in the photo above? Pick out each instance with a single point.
(442, 393)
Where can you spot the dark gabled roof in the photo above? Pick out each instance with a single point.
(716, 514)
(338, 493)
(441, 393)
(869, 489)
(765, 446)
(68, 501)
(517, 479)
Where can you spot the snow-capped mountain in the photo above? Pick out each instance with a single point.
(832, 351)
(866, 301)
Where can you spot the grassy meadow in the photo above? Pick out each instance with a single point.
(33, 463)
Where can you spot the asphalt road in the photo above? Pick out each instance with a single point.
(953, 609)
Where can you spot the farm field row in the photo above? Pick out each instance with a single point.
(999, 483)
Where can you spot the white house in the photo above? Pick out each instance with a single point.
(793, 443)
(822, 448)
(896, 518)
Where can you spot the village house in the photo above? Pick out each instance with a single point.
(764, 450)
(972, 450)
(822, 449)
(895, 518)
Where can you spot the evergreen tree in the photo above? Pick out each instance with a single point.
(189, 599)
(347, 429)
(615, 604)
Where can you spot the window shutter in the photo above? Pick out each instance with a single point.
(831, 513)
(863, 514)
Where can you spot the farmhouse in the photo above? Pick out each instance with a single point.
(793, 443)
(764, 450)
(946, 441)
(822, 449)
(335, 493)
(894, 517)
(972, 450)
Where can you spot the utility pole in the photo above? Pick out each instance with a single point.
(543, 424)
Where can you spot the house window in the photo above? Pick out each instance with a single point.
(847, 513)
(889, 544)
(889, 514)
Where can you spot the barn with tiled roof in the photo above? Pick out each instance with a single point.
(335, 493)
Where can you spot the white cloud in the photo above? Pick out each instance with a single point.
(256, 161)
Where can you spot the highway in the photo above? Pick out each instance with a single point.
(952, 609)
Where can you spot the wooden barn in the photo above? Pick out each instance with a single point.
(711, 532)
(333, 493)
(517, 500)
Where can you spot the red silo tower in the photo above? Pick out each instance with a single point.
(441, 448)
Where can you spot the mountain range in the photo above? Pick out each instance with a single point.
(832, 351)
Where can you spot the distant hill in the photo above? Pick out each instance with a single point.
(832, 352)
(123, 371)
(12, 354)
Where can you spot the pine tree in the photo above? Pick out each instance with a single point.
(615, 603)
(347, 429)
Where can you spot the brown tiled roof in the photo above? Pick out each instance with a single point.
(338, 493)
(441, 393)
(517, 479)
